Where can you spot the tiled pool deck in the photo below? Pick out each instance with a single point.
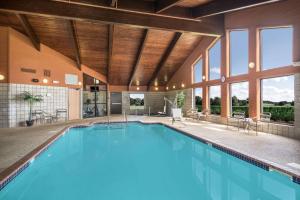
(278, 151)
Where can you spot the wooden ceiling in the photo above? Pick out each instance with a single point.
(132, 42)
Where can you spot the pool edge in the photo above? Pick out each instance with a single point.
(15, 169)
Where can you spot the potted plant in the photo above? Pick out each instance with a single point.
(31, 99)
(178, 104)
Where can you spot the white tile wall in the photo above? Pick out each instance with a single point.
(14, 111)
(4, 120)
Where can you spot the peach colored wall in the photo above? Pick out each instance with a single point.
(4, 54)
(22, 54)
(74, 104)
(283, 13)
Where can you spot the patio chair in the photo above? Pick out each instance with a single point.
(203, 114)
(265, 118)
(237, 118)
(37, 116)
(192, 113)
(61, 113)
(47, 117)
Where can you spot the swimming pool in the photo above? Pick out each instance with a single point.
(141, 162)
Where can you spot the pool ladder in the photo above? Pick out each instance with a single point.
(125, 117)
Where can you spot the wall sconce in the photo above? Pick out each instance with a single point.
(2, 77)
(156, 88)
(251, 65)
(167, 88)
(138, 88)
(45, 80)
(79, 83)
(174, 86)
(182, 85)
(203, 77)
(55, 82)
(223, 79)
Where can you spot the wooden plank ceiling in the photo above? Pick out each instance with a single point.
(126, 50)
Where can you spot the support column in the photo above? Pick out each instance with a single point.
(296, 58)
(225, 91)
(205, 92)
(254, 82)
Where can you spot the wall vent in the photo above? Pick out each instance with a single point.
(28, 70)
(47, 73)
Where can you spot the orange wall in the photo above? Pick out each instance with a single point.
(4, 54)
(22, 54)
(278, 14)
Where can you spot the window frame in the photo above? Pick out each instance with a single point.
(229, 51)
(260, 45)
(230, 94)
(208, 59)
(209, 97)
(193, 69)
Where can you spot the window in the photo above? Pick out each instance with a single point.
(238, 52)
(198, 71)
(215, 99)
(278, 98)
(240, 97)
(214, 59)
(276, 47)
(136, 101)
(198, 98)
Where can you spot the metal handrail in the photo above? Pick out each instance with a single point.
(108, 119)
(125, 117)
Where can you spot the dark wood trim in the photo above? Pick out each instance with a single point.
(219, 7)
(162, 5)
(73, 36)
(109, 15)
(29, 31)
(164, 58)
(111, 30)
(138, 56)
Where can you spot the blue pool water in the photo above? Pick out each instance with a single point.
(142, 162)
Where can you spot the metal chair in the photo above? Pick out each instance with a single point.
(236, 117)
(265, 118)
(61, 113)
(37, 115)
(192, 113)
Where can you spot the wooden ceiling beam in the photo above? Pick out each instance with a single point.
(162, 5)
(220, 6)
(138, 56)
(111, 30)
(73, 11)
(74, 40)
(164, 58)
(29, 31)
